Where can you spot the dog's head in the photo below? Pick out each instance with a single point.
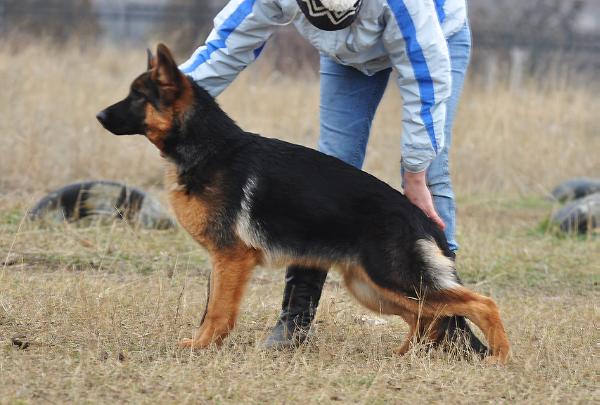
(157, 100)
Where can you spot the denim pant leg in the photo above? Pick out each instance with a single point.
(438, 174)
(349, 100)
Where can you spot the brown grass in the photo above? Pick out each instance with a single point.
(103, 306)
(505, 142)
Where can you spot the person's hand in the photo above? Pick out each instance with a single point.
(415, 189)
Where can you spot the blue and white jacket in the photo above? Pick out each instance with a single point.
(409, 35)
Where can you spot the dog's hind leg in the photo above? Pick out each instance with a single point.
(483, 311)
(371, 297)
(453, 332)
(367, 295)
(422, 329)
(422, 314)
(413, 334)
(231, 272)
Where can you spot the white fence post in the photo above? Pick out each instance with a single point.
(491, 69)
(518, 58)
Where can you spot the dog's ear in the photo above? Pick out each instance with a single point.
(151, 59)
(165, 71)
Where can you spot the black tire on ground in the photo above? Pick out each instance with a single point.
(576, 188)
(104, 199)
(580, 216)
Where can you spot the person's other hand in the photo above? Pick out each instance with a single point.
(415, 189)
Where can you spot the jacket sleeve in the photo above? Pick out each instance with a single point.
(240, 32)
(418, 50)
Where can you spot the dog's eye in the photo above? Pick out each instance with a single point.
(138, 94)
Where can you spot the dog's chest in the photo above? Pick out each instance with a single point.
(192, 212)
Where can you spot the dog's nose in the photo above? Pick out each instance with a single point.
(101, 116)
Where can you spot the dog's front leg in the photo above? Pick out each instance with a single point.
(232, 269)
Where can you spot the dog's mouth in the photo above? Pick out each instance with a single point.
(112, 123)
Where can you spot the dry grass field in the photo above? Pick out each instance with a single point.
(103, 306)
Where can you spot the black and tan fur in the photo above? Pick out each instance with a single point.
(251, 201)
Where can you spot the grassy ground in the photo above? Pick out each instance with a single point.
(103, 306)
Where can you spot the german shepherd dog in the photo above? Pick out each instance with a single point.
(250, 200)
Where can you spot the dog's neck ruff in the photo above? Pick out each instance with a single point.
(330, 15)
(192, 142)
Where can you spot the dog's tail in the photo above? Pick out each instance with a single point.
(455, 331)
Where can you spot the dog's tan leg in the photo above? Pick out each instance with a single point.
(483, 311)
(460, 301)
(413, 324)
(422, 329)
(373, 299)
(232, 269)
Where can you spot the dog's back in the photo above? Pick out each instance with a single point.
(300, 203)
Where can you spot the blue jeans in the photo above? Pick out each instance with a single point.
(349, 100)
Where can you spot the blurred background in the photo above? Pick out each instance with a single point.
(512, 38)
(528, 117)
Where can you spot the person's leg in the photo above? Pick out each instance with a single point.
(438, 174)
(349, 100)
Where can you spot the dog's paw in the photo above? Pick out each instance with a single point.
(495, 361)
(186, 344)
(402, 350)
(194, 344)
